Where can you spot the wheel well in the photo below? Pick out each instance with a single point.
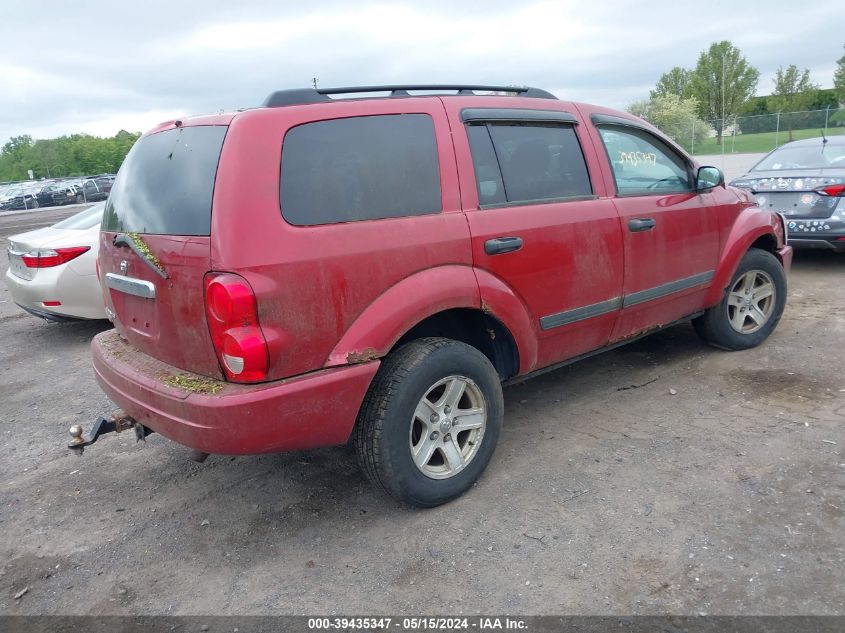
(473, 327)
(766, 242)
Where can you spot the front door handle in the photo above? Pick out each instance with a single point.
(501, 245)
(640, 224)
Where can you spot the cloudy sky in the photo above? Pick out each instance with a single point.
(99, 66)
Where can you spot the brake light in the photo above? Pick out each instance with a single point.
(834, 191)
(47, 258)
(233, 323)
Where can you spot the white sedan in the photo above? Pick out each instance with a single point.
(52, 271)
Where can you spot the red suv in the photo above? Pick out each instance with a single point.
(371, 270)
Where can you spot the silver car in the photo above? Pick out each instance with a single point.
(805, 182)
(52, 271)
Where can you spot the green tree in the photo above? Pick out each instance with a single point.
(675, 117)
(839, 79)
(674, 82)
(793, 92)
(722, 82)
(74, 155)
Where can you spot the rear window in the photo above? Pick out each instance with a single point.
(166, 183)
(360, 168)
(817, 156)
(84, 219)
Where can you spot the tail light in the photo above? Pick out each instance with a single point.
(233, 322)
(47, 258)
(834, 191)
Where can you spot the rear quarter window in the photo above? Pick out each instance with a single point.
(166, 183)
(360, 168)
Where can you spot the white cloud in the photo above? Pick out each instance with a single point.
(168, 59)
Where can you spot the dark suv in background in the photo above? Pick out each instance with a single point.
(96, 189)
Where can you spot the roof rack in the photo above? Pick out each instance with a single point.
(302, 96)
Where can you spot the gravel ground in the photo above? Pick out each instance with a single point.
(607, 495)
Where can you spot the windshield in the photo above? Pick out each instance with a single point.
(166, 183)
(805, 157)
(87, 219)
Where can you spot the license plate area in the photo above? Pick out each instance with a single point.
(18, 268)
(136, 313)
(798, 204)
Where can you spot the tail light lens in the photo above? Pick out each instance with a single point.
(47, 258)
(834, 191)
(233, 322)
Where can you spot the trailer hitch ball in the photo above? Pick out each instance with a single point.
(75, 434)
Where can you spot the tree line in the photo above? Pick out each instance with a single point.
(686, 102)
(74, 155)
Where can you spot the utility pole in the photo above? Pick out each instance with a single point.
(722, 134)
(314, 82)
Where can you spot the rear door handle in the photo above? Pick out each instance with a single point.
(640, 224)
(501, 245)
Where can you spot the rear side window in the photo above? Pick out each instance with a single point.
(360, 168)
(528, 162)
(166, 183)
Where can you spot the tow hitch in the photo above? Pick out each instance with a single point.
(119, 422)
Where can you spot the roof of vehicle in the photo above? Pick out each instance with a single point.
(303, 96)
(838, 139)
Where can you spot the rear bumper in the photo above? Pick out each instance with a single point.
(80, 295)
(309, 411)
(830, 243)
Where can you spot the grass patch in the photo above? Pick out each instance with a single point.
(760, 142)
(192, 384)
(142, 247)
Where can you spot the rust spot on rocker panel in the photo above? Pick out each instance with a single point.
(353, 358)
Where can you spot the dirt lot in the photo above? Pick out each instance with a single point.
(726, 498)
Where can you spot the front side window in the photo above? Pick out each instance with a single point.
(360, 168)
(527, 162)
(642, 164)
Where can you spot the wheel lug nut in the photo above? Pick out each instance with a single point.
(447, 409)
(434, 435)
(434, 417)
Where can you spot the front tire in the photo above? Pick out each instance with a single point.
(430, 421)
(752, 306)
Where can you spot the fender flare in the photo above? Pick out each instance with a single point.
(751, 224)
(425, 293)
(399, 308)
(501, 302)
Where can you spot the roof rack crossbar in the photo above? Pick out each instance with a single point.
(303, 96)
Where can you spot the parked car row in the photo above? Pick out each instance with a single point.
(32, 194)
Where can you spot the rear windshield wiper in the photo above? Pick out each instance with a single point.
(122, 240)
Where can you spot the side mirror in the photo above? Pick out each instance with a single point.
(708, 178)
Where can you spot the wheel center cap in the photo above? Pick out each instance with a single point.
(445, 425)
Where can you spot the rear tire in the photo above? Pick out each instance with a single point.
(752, 306)
(430, 421)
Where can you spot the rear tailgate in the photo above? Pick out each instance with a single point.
(155, 246)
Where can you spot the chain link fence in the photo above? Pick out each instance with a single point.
(760, 133)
